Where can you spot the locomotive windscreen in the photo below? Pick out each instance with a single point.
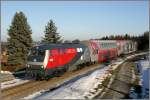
(36, 55)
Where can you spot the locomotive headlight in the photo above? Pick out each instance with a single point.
(78, 49)
(42, 66)
(81, 49)
(28, 65)
(81, 57)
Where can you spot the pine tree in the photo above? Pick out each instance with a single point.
(51, 35)
(19, 41)
(143, 41)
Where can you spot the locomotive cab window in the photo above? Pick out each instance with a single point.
(41, 53)
(33, 53)
(37, 53)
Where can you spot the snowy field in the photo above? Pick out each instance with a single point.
(78, 89)
(6, 72)
(144, 66)
(14, 82)
(143, 69)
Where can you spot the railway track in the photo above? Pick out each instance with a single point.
(19, 89)
(30, 87)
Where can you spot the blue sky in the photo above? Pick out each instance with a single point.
(79, 19)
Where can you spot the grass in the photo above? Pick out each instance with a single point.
(108, 78)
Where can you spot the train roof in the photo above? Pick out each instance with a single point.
(106, 41)
(53, 45)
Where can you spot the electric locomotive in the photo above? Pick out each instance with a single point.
(45, 61)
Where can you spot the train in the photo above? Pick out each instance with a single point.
(49, 60)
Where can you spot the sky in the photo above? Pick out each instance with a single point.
(79, 19)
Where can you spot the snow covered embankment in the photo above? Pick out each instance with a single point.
(80, 89)
(13, 83)
(85, 87)
(9, 80)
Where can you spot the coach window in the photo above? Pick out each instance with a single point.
(110, 45)
(103, 46)
(107, 45)
(96, 51)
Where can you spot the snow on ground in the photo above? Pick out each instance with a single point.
(8, 79)
(78, 89)
(144, 63)
(75, 89)
(6, 72)
(81, 87)
(144, 70)
(13, 82)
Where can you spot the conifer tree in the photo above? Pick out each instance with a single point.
(19, 41)
(51, 35)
